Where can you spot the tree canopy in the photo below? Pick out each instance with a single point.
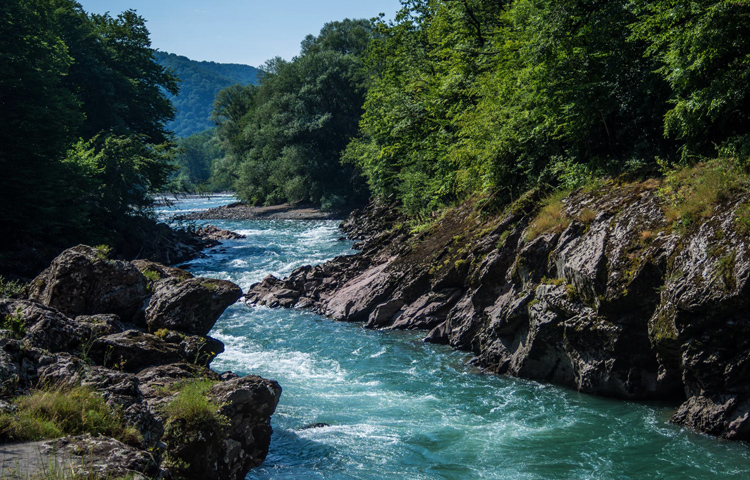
(284, 138)
(83, 134)
(199, 83)
(479, 96)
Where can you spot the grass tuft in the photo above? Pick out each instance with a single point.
(693, 193)
(551, 218)
(193, 407)
(54, 412)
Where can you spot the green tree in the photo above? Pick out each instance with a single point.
(39, 117)
(65, 76)
(704, 50)
(284, 138)
(194, 159)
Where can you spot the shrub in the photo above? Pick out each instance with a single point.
(151, 275)
(103, 252)
(11, 288)
(15, 323)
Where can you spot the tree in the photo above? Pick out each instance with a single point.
(82, 125)
(286, 136)
(39, 117)
(704, 50)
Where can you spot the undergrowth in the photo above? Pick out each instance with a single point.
(11, 288)
(14, 322)
(55, 412)
(551, 217)
(693, 193)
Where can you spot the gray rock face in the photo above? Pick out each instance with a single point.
(232, 449)
(82, 281)
(95, 343)
(617, 303)
(106, 457)
(191, 306)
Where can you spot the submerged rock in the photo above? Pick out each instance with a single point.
(215, 233)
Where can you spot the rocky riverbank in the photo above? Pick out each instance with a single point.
(142, 238)
(135, 334)
(601, 291)
(242, 211)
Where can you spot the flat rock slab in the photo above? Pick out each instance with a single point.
(31, 459)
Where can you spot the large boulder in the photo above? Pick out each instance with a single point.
(134, 350)
(230, 449)
(191, 306)
(83, 281)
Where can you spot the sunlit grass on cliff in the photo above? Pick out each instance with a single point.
(693, 193)
(551, 217)
(193, 406)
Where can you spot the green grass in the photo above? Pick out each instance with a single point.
(193, 407)
(551, 217)
(693, 193)
(55, 412)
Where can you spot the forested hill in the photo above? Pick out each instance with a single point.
(199, 84)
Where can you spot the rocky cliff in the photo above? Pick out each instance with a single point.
(135, 334)
(601, 292)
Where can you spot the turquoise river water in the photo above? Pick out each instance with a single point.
(398, 408)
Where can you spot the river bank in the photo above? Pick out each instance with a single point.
(128, 343)
(242, 211)
(603, 295)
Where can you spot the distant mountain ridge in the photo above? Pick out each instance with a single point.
(199, 84)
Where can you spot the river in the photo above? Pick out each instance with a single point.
(397, 408)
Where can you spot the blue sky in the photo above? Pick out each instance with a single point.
(239, 31)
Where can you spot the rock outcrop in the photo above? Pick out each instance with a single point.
(211, 232)
(192, 305)
(610, 298)
(135, 333)
(84, 281)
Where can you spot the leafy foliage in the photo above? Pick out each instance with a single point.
(475, 96)
(83, 137)
(194, 162)
(283, 139)
(200, 82)
(703, 48)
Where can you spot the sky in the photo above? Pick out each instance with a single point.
(239, 31)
